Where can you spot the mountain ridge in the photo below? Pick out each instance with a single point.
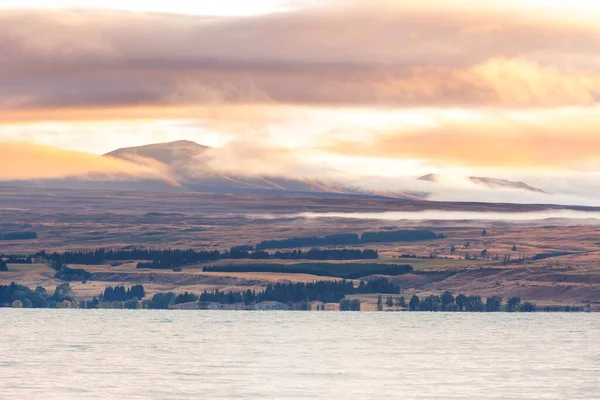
(186, 161)
(491, 183)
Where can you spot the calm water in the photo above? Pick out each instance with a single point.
(113, 354)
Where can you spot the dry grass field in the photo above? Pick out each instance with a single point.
(78, 220)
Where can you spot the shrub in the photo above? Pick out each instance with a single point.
(528, 307)
(72, 274)
(186, 298)
(162, 301)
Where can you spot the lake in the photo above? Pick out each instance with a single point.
(115, 354)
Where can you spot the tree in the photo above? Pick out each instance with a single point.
(55, 264)
(186, 298)
(3, 266)
(119, 293)
(484, 253)
(413, 304)
(461, 302)
(348, 305)
(431, 303)
(163, 300)
(401, 302)
(484, 233)
(137, 292)
(493, 304)
(345, 305)
(514, 248)
(468, 244)
(475, 304)
(447, 299)
(389, 302)
(453, 249)
(379, 303)
(513, 304)
(528, 307)
(62, 291)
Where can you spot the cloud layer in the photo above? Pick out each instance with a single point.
(348, 53)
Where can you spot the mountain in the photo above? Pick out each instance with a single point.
(492, 183)
(429, 178)
(504, 184)
(187, 162)
(174, 154)
(186, 166)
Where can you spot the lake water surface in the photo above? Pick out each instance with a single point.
(114, 354)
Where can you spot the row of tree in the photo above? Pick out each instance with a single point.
(38, 298)
(299, 293)
(18, 235)
(321, 291)
(119, 293)
(312, 254)
(176, 257)
(17, 259)
(350, 239)
(447, 302)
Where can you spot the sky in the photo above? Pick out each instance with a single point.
(381, 91)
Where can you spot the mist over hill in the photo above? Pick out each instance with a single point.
(491, 183)
(186, 166)
(189, 165)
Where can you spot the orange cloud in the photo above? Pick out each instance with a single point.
(569, 142)
(26, 161)
(217, 113)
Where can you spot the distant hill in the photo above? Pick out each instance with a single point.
(492, 183)
(174, 154)
(429, 178)
(503, 183)
(187, 162)
(186, 167)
